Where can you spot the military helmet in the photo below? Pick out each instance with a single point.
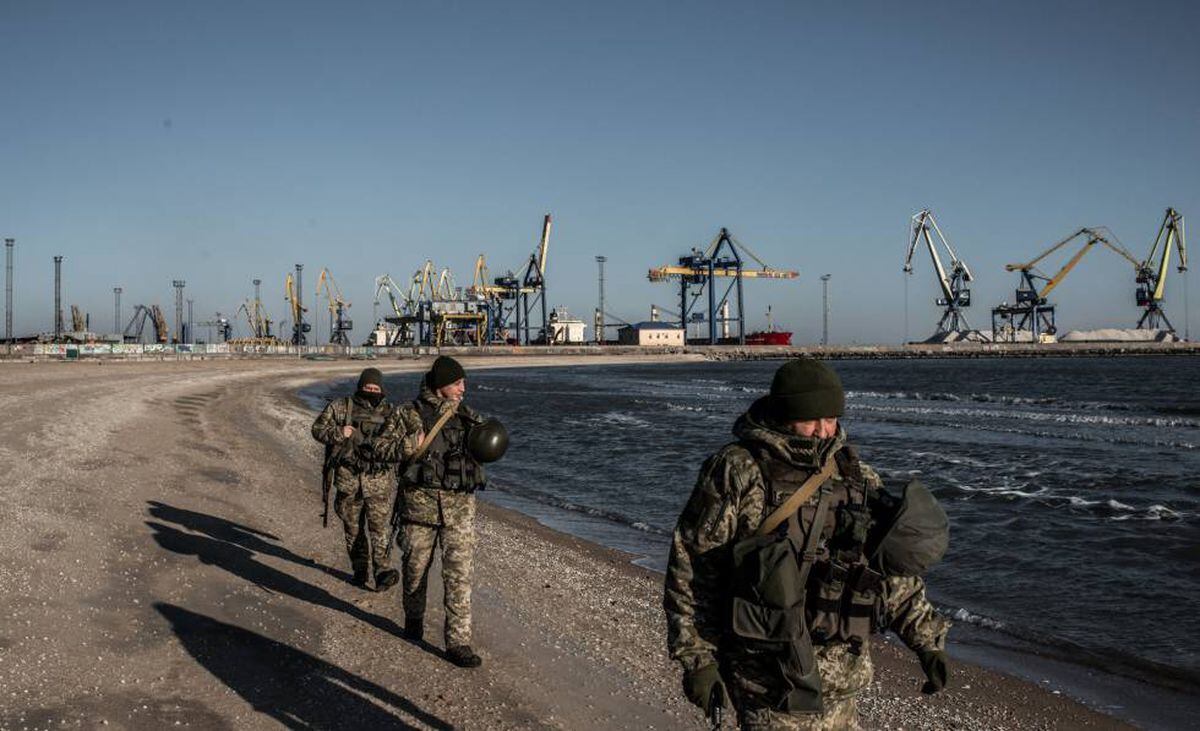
(912, 535)
(487, 441)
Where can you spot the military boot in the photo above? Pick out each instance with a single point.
(386, 579)
(463, 656)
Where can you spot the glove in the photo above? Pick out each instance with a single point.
(704, 688)
(933, 662)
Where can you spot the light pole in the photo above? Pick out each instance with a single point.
(600, 312)
(178, 284)
(117, 309)
(825, 309)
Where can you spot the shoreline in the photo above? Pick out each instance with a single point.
(891, 657)
(191, 583)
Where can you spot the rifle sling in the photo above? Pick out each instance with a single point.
(433, 432)
(796, 499)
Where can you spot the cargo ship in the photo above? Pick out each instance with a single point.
(770, 336)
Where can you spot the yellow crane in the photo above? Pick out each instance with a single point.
(79, 320)
(697, 273)
(1091, 237)
(339, 325)
(1032, 312)
(292, 295)
(1152, 278)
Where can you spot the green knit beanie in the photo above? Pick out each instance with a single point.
(806, 389)
(445, 370)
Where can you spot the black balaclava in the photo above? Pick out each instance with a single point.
(370, 376)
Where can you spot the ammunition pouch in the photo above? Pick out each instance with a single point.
(843, 603)
(769, 653)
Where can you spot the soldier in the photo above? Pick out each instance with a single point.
(787, 556)
(437, 505)
(363, 437)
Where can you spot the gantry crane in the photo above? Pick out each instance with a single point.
(697, 273)
(955, 295)
(137, 324)
(292, 295)
(1032, 312)
(1152, 278)
(339, 325)
(388, 329)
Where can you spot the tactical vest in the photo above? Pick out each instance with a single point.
(807, 582)
(446, 464)
(370, 422)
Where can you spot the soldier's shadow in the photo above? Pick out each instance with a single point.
(231, 532)
(296, 689)
(242, 561)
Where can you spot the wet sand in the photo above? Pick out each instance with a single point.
(163, 564)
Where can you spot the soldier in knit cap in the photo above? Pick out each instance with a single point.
(788, 556)
(436, 505)
(364, 437)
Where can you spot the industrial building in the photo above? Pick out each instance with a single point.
(651, 333)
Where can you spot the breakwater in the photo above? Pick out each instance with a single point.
(135, 352)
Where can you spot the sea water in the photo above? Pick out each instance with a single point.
(1072, 486)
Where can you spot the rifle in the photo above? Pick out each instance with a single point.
(333, 456)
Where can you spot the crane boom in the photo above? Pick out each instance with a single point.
(955, 294)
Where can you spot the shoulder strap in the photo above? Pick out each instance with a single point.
(798, 498)
(349, 418)
(432, 434)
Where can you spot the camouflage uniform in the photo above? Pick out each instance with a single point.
(441, 509)
(727, 505)
(364, 478)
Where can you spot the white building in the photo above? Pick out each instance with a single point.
(564, 329)
(651, 333)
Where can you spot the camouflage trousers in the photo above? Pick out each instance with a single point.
(456, 534)
(843, 676)
(841, 715)
(364, 512)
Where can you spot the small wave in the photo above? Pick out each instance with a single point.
(1073, 436)
(962, 615)
(1044, 416)
(1109, 508)
(621, 418)
(684, 407)
(1154, 512)
(993, 398)
(554, 501)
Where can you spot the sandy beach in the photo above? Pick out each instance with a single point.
(163, 564)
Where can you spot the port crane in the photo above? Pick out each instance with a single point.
(258, 321)
(1032, 311)
(511, 299)
(291, 294)
(79, 319)
(339, 325)
(955, 296)
(697, 274)
(137, 324)
(224, 328)
(1152, 278)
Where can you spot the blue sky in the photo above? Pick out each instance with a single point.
(221, 141)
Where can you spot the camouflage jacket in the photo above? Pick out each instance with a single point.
(423, 503)
(357, 454)
(727, 505)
